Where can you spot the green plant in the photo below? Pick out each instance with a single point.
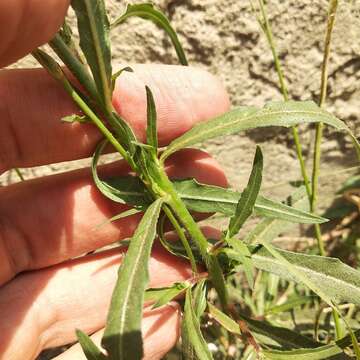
(152, 192)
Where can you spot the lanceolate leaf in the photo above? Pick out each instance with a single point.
(331, 276)
(207, 198)
(244, 256)
(269, 229)
(224, 320)
(331, 351)
(200, 292)
(285, 114)
(247, 200)
(156, 295)
(218, 280)
(193, 331)
(170, 294)
(151, 130)
(199, 304)
(91, 351)
(124, 190)
(269, 334)
(122, 337)
(93, 27)
(147, 11)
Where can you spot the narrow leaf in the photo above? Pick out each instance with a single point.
(151, 130)
(269, 229)
(91, 351)
(155, 294)
(192, 326)
(122, 215)
(74, 64)
(115, 76)
(123, 190)
(170, 294)
(217, 279)
(285, 114)
(340, 281)
(147, 11)
(200, 292)
(122, 337)
(247, 200)
(224, 320)
(275, 335)
(93, 25)
(292, 303)
(331, 351)
(244, 257)
(207, 198)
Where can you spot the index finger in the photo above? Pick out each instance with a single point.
(32, 104)
(27, 24)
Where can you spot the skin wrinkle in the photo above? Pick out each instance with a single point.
(42, 296)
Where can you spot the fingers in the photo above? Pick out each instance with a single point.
(27, 24)
(52, 219)
(42, 309)
(160, 329)
(32, 105)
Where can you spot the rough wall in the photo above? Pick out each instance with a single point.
(223, 37)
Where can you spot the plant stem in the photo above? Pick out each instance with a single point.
(93, 117)
(319, 127)
(182, 237)
(19, 174)
(78, 69)
(266, 27)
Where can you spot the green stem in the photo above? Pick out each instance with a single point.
(93, 117)
(266, 27)
(319, 127)
(182, 237)
(77, 68)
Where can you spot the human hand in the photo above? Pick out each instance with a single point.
(47, 222)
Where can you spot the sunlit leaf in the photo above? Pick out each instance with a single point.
(122, 337)
(331, 276)
(208, 198)
(268, 229)
(248, 197)
(149, 12)
(285, 114)
(115, 76)
(224, 320)
(91, 351)
(93, 25)
(170, 294)
(244, 257)
(124, 190)
(192, 326)
(218, 280)
(330, 351)
(122, 215)
(199, 293)
(293, 302)
(151, 129)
